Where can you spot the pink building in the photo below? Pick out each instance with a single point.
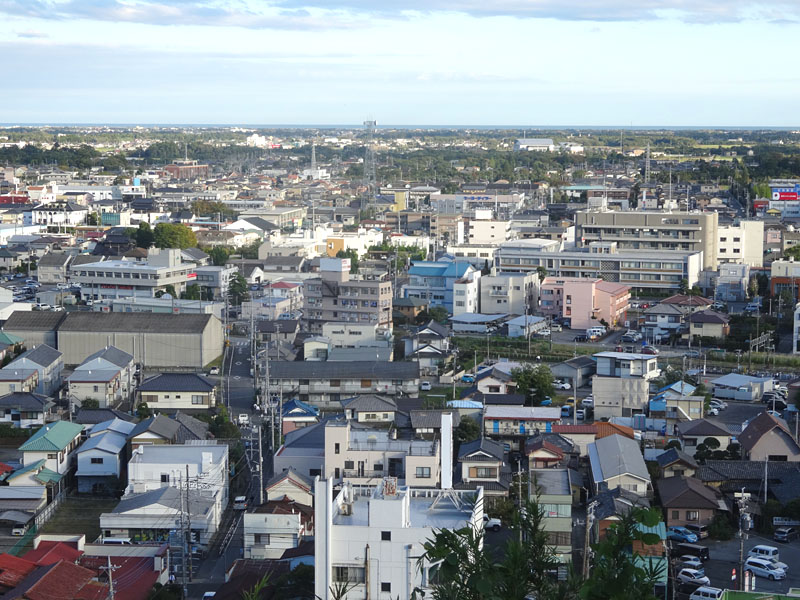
(585, 302)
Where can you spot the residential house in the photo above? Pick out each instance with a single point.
(552, 489)
(106, 376)
(54, 443)
(298, 414)
(676, 463)
(155, 430)
(543, 454)
(24, 409)
(687, 501)
(662, 321)
(579, 435)
(768, 438)
(303, 450)
(293, 485)
(10, 260)
(621, 387)
(394, 522)
(616, 461)
(410, 308)
(577, 371)
(64, 579)
(525, 326)
(47, 361)
(427, 424)
(709, 324)
(170, 392)
(512, 425)
(101, 458)
(273, 332)
(482, 464)
(429, 345)
(13, 379)
(92, 416)
(370, 408)
(53, 268)
(693, 433)
(276, 526)
(731, 477)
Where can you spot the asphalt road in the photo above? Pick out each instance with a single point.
(239, 392)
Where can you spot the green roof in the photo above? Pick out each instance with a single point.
(44, 474)
(660, 530)
(10, 339)
(53, 437)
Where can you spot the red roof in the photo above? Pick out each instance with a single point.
(67, 581)
(283, 285)
(134, 576)
(49, 552)
(13, 569)
(4, 468)
(544, 445)
(605, 429)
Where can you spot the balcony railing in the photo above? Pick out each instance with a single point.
(371, 474)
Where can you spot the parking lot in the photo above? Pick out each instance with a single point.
(724, 556)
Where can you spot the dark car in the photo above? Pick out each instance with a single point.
(785, 534)
(580, 338)
(777, 404)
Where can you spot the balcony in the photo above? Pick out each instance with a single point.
(371, 474)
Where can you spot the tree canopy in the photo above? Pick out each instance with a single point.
(535, 382)
(174, 235)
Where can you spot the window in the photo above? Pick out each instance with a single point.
(377, 467)
(335, 383)
(336, 448)
(165, 478)
(262, 538)
(97, 461)
(366, 383)
(692, 515)
(349, 464)
(96, 388)
(559, 538)
(52, 456)
(484, 472)
(197, 399)
(150, 398)
(348, 574)
(386, 536)
(423, 472)
(676, 514)
(386, 586)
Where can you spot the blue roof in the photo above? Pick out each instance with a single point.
(658, 405)
(681, 387)
(439, 269)
(297, 404)
(464, 404)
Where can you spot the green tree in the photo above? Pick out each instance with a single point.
(168, 289)
(541, 272)
(752, 287)
(192, 292)
(93, 219)
(90, 403)
(143, 411)
(535, 382)
(144, 236)
(438, 314)
(174, 235)
(219, 255)
(352, 255)
(467, 430)
(618, 573)
(683, 286)
(237, 289)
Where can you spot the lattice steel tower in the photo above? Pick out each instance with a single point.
(370, 178)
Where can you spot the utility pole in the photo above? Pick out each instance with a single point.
(589, 519)
(188, 524)
(110, 570)
(260, 470)
(183, 542)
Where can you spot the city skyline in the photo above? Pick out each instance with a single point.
(570, 64)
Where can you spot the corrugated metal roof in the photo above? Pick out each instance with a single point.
(52, 437)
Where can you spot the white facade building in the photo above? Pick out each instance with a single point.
(742, 243)
(373, 537)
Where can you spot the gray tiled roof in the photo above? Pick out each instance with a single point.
(702, 427)
(492, 448)
(672, 456)
(431, 419)
(160, 425)
(616, 455)
(369, 403)
(177, 382)
(686, 492)
(24, 401)
(344, 370)
(140, 322)
(39, 320)
(42, 355)
(113, 355)
(92, 416)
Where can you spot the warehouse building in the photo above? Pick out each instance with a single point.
(156, 341)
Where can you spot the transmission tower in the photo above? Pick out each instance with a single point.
(313, 160)
(370, 179)
(647, 164)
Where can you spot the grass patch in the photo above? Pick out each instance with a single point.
(79, 515)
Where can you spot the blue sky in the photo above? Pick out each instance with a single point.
(438, 62)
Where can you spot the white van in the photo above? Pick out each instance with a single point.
(764, 568)
(706, 593)
(240, 503)
(771, 553)
(117, 541)
(595, 332)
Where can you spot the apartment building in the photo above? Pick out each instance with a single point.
(325, 384)
(502, 206)
(652, 232)
(276, 526)
(482, 229)
(511, 293)
(622, 384)
(584, 302)
(643, 270)
(785, 275)
(742, 243)
(435, 281)
(552, 488)
(334, 296)
(111, 279)
(372, 538)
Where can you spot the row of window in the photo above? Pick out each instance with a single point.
(153, 398)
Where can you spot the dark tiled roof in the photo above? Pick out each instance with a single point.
(493, 449)
(702, 427)
(113, 355)
(498, 399)
(431, 419)
(93, 416)
(709, 316)
(177, 382)
(40, 320)
(279, 326)
(160, 425)
(344, 370)
(140, 322)
(686, 492)
(743, 470)
(758, 428)
(617, 502)
(672, 456)
(369, 403)
(43, 355)
(54, 259)
(24, 401)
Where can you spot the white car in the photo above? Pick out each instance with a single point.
(543, 333)
(244, 419)
(214, 371)
(562, 385)
(691, 561)
(719, 404)
(425, 386)
(693, 576)
(587, 402)
(713, 411)
(491, 523)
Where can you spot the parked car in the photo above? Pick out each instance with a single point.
(691, 561)
(706, 593)
(562, 385)
(580, 414)
(697, 550)
(587, 402)
(555, 326)
(240, 503)
(693, 576)
(244, 419)
(713, 411)
(692, 354)
(492, 523)
(763, 568)
(543, 333)
(566, 410)
(548, 401)
(467, 378)
(650, 350)
(776, 404)
(770, 553)
(700, 570)
(681, 534)
(785, 534)
(214, 371)
(425, 386)
(720, 404)
(701, 531)
(580, 338)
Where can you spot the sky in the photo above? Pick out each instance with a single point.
(416, 62)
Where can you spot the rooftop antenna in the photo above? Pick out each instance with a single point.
(647, 165)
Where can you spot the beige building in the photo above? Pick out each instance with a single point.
(742, 243)
(652, 231)
(334, 296)
(512, 293)
(622, 383)
(169, 392)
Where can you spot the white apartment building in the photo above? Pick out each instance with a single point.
(621, 387)
(796, 330)
(373, 537)
(511, 293)
(742, 243)
(111, 279)
(345, 334)
(276, 526)
(467, 294)
(482, 229)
